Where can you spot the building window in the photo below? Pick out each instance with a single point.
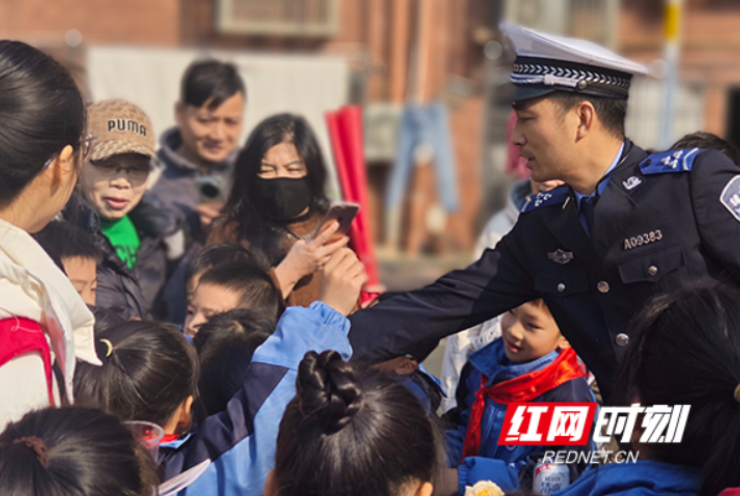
(290, 18)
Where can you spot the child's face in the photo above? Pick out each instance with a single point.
(83, 275)
(114, 186)
(529, 332)
(207, 301)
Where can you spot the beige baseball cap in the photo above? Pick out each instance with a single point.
(119, 127)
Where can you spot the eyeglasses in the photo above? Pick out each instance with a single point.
(111, 169)
(85, 146)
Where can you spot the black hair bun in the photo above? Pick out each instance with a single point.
(327, 390)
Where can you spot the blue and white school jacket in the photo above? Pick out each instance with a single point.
(241, 441)
(503, 464)
(640, 478)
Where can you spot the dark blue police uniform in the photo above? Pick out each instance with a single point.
(662, 222)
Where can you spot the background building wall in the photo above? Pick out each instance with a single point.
(710, 50)
(45, 22)
(400, 51)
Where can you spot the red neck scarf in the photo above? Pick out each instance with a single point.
(520, 390)
(168, 438)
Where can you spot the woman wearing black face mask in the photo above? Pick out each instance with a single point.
(275, 209)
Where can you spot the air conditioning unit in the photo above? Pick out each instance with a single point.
(289, 18)
(594, 20)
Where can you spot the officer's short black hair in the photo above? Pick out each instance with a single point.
(708, 141)
(210, 81)
(611, 111)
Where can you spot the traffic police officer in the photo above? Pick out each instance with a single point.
(626, 225)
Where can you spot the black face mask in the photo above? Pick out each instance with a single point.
(283, 198)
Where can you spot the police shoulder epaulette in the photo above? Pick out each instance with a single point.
(670, 161)
(548, 199)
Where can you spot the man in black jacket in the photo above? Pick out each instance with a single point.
(626, 226)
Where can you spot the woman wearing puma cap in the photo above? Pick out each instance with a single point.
(135, 231)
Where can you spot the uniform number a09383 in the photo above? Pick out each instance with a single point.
(643, 239)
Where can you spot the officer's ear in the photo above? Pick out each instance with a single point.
(586, 114)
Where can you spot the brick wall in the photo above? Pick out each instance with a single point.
(45, 22)
(710, 50)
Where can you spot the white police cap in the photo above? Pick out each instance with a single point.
(546, 63)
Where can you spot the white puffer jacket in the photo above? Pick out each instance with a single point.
(33, 287)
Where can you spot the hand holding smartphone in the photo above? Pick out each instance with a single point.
(344, 213)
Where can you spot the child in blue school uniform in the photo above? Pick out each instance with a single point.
(150, 372)
(530, 362)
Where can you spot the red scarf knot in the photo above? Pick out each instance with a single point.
(522, 389)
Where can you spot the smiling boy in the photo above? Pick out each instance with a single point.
(530, 362)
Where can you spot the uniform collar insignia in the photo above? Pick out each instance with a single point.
(553, 197)
(631, 183)
(560, 256)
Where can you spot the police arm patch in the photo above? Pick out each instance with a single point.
(730, 197)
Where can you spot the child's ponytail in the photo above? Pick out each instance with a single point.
(353, 432)
(327, 390)
(148, 370)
